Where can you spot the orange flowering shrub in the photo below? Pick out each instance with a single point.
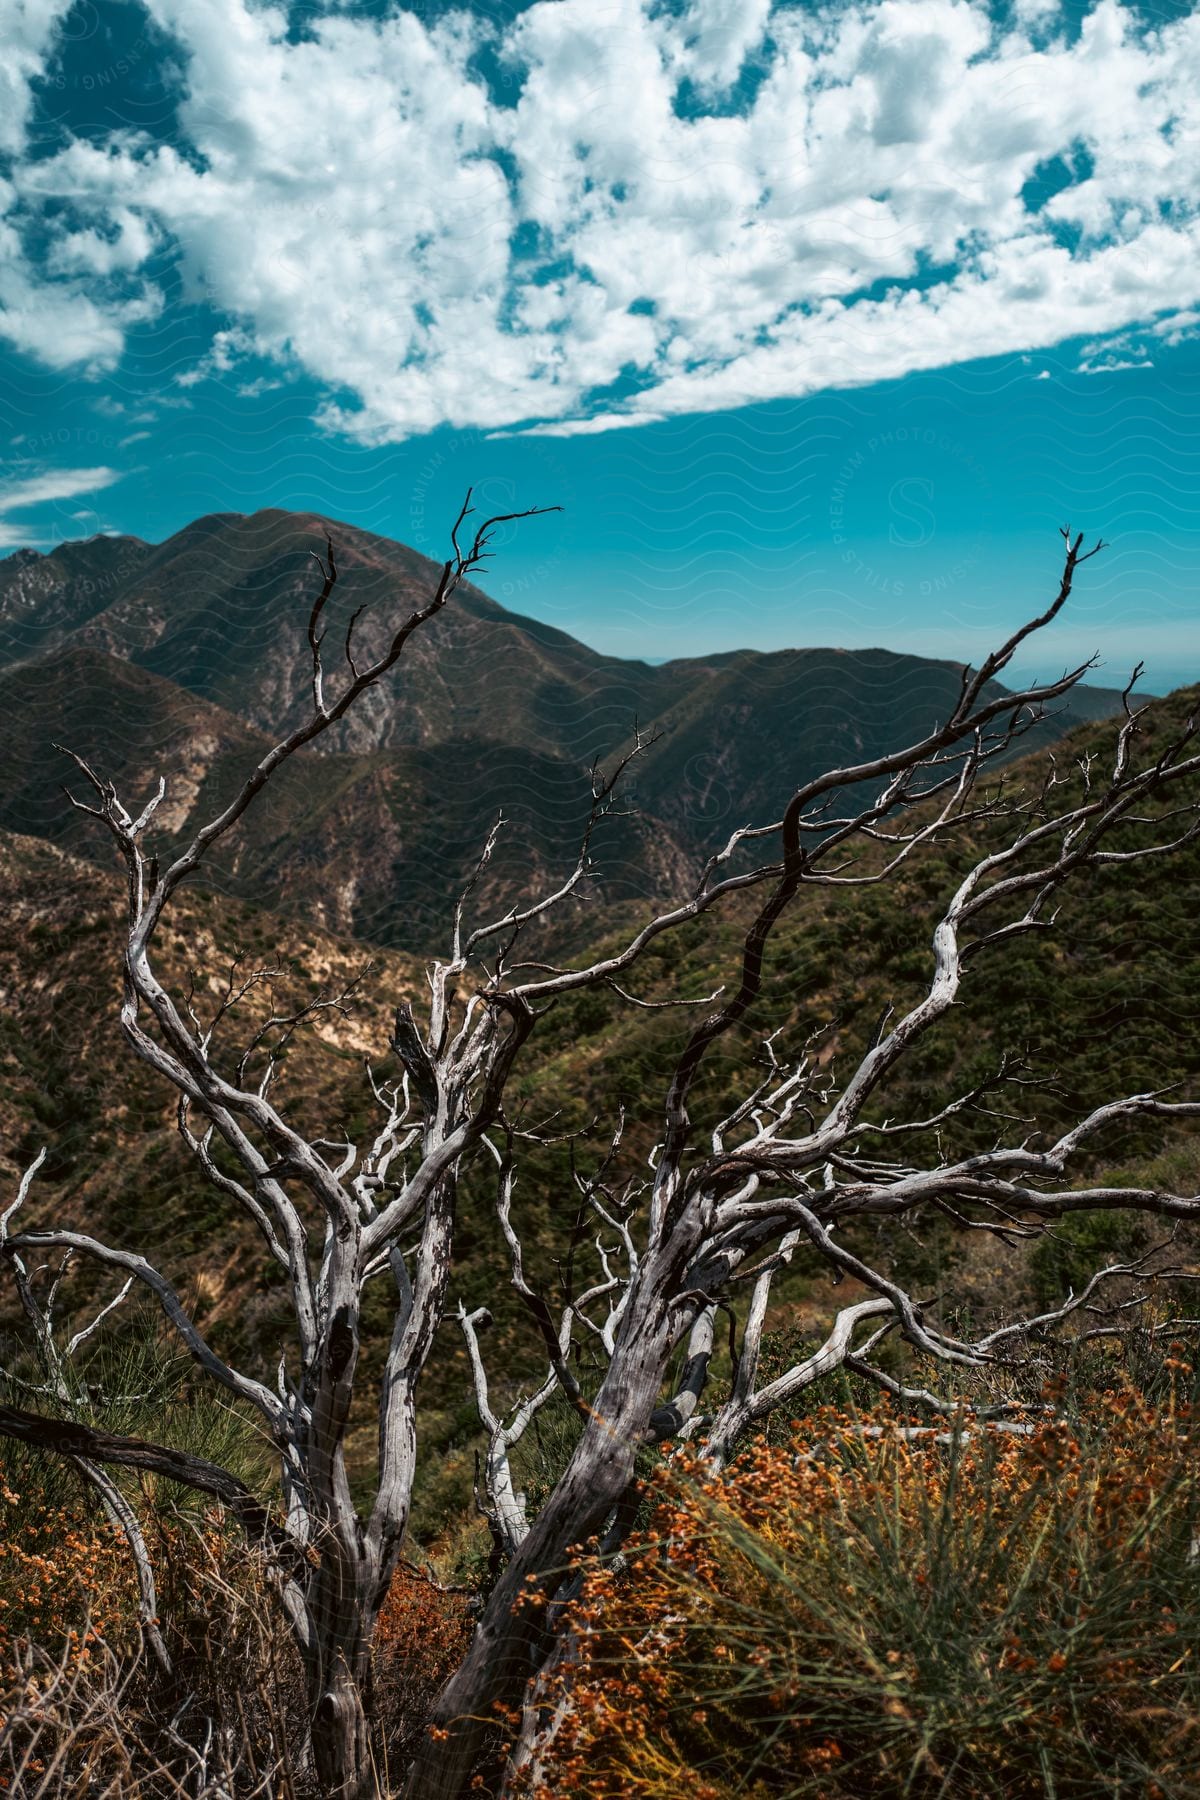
(79, 1712)
(67, 1600)
(82, 1710)
(421, 1637)
(971, 1613)
(65, 1580)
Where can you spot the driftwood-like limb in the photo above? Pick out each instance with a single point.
(72, 1439)
(125, 1519)
(504, 1508)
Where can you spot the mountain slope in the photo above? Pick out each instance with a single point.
(45, 599)
(1107, 1003)
(743, 739)
(181, 659)
(222, 609)
(373, 845)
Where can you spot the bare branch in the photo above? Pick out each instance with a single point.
(67, 1437)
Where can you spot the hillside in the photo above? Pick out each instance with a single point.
(178, 658)
(373, 844)
(221, 610)
(1106, 1004)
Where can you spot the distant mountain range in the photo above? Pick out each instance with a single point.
(182, 658)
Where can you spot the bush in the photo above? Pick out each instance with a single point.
(85, 1712)
(423, 1633)
(972, 1612)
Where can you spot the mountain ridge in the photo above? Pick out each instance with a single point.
(185, 657)
(132, 571)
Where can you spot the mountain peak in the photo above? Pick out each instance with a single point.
(221, 609)
(485, 710)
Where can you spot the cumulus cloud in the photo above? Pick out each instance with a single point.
(92, 252)
(636, 212)
(59, 323)
(27, 31)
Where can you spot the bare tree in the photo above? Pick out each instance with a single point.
(785, 1175)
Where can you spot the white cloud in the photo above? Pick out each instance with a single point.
(1109, 365)
(55, 484)
(227, 348)
(54, 321)
(27, 31)
(58, 325)
(94, 253)
(38, 490)
(632, 238)
(1034, 12)
(1180, 328)
(717, 37)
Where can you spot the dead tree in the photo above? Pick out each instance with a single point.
(784, 1176)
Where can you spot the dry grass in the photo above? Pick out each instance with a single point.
(83, 1712)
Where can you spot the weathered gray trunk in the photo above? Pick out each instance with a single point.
(343, 1752)
(343, 1609)
(511, 1642)
(343, 1598)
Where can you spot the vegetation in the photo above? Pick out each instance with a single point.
(396, 1192)
(861, 1607)
(84, 1709)
(876, 1607)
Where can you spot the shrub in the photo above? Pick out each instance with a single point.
(423, 1633)
(970, 1612)
(84, 1712)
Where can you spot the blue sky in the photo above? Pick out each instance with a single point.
(817, 320)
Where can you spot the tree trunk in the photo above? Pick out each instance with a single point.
(343, 1611)
(341, 1736)
(511, 1642)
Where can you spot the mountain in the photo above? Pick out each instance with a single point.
(370, 844)
(182, 658)
(44, 599)
(221, 609)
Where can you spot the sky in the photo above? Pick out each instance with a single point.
(818, 321)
